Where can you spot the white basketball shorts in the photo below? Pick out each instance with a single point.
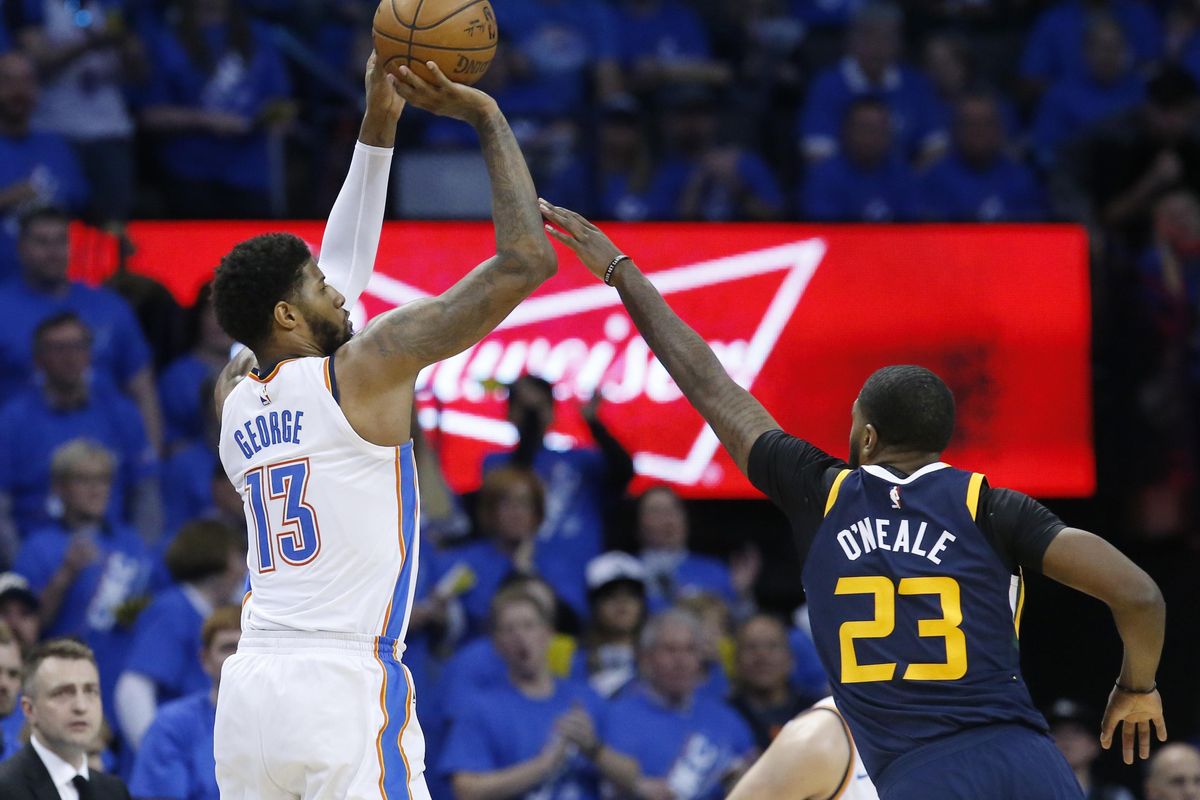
(318, 717)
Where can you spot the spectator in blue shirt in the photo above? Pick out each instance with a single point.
(624, 181)
(663, 42)
(510, 508)
(952, 68)
(86, 52)
(695, 746)
(716, 182)
(532, 736)
(1109, 86)
(569, 50)
(219, 87)
(90, 573)
(181, 383)
(36, 168)
(69, 403)
(581, 484)
(674, 572)
(763, 693)
(119, 350)
(207, 564)
(176, 759)
(865, 182)
(10, 688)
(607, 655)
(978, 181)
(1055, 47)
(872, 68)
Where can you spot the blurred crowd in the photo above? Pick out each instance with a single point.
(550, 587)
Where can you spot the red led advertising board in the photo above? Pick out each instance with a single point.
(800, 315)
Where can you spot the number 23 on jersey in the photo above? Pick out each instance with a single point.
(277, 493)
(884, 623)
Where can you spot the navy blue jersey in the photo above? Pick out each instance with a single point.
(914, 592)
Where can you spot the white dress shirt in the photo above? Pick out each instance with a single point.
(61, 773)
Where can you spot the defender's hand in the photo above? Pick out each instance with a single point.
(444, 97)
(1132, 712)
(594, 249)
(382, 95)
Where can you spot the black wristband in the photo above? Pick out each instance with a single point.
(608, 273)
(1153, 688)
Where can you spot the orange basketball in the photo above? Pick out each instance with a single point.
(458, 35)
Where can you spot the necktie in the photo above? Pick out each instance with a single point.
(83, 787)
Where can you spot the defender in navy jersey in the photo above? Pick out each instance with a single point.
(912, 571)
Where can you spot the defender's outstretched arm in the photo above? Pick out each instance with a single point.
(735, 416)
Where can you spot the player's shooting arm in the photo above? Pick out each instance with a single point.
(435, 328)
(351, 238)
(735, 416)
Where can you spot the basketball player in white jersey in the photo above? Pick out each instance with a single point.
(812, 758)
(316, 703)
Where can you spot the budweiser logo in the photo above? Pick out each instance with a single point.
(582, 341)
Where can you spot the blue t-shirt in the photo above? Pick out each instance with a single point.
(30, 431)
(503, 728)
(166, 646)
(233, 86)
(692, 748)
(119, 350)
(10, 731)
(120, 573)
(755, 179)
(910, 98)
(491, 567)
(667, 32)
(808, 676)
(179, 388)
(176, 760)
(826, 13)
(835, 190)
(1075, 103)
(48, 162)
(1189, 59)
(693, 575)
(1055, 46)
(563, 40)
(187, 485)
(1005, 191)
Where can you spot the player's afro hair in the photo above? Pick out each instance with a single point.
(251, 279)
(910, 407)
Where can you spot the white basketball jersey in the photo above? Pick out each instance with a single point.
(858, 784)
(331, 518)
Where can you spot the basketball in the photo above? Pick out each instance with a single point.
(458, 35)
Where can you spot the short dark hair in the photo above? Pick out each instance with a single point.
(497, 483)
(66, 649)
(223, 618)
(909, 407)
(1171, 87)
(540, 384)
(40, 213)
(201, 549)
(57, 321)
(252, 278)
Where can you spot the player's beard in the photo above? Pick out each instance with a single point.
(329, 335)
(855, 454)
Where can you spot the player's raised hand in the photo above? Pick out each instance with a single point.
(593, 247)
(443, 97)
(382, 96)
(1134, 713)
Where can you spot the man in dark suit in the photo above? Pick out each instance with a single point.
(61, 700)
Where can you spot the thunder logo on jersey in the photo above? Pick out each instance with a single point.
(265, 430)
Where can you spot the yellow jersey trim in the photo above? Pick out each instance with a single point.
(833, 491)
(973, 489)
(1020, 601)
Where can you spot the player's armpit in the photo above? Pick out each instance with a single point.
(238, 368)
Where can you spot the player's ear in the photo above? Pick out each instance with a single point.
(870, 440)
(285, 316)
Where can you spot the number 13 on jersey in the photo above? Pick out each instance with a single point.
(297, 540)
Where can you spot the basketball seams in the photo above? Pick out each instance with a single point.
(435, 23)
(412, 31)
(484, 49)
